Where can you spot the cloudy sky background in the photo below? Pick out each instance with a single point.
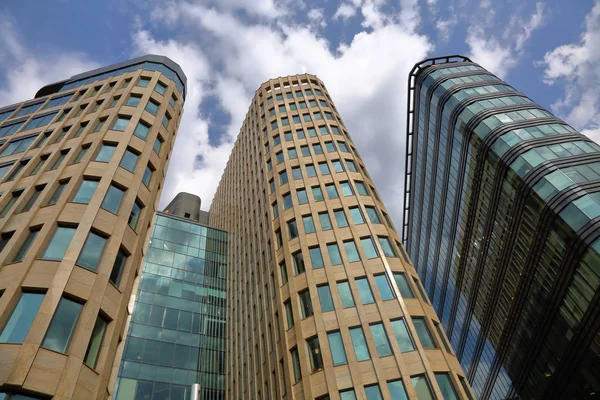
(362, 50)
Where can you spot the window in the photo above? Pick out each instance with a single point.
(309, 225)
(114, 101)
(402, 335)
(121, 123)
(317, 147)
(465, 387)
(372, 392)
(300, 134)
(337, 166)
(331, 191)
(59, 243)
(113, 199)
(283, 178)
(144, 82)
(15, 172)
(325, 221)
(323, 131)
(324, 168)
(118, 267)
(305, 151)
(34, 196)
(40, 164)
(446, 386)
(316, 259)
(35, 122)
(347, 395)
(292, 154)
(289, 314)
(134, 100)
(101, 122)
(288, 136)
(340, 218)
(62, 326)
(126, 83)
(356, 215)
(423, 332)
(152, 107)
(59, 159)
(134, 215)
(172, 100)
(351, 251)
(82, 152)
(302, 197)
(129, 160)
(93, 349)
(4, 239)
(397, 390)
(274, 125)
(283, 271)
(306, 118)
(160, 88)
(310, 170)
(364, 291)
(80, 130)
(403, 286)
(351, 166)
(285, 121)
(383, 285)
(325, 298)
(317, 193)
(296, 365)
(275, 210)
(342, 146)
(346, 189)
(360, 344)
(295, 118)
(421, 291)
(312, 132)
(380, 339)
(44, 137)
(86, 191)
(92, 251)
(11, 202)
(306, 309)
(338, 354)
(287, 201)
(21, 318)
(373, 216)
(421, 387)
(369, 247)
(31, 235)
(314, 352)
(272, 185)
(147, 177)
(334, 254)
(361, 188)
(440, 332)
(141, 130)
(157, 145)
(292, 229)
(17, 146)
(276, 140)
(298, 262)
(106, 152)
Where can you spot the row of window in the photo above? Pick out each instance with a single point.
(61, 329)
(330, 147)
(298, 93)
(301, 134)
(292, 106)
(306, 117)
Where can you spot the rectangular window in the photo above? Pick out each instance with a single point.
(372, 392)
(351, 166)
(342, 146)
(364, 291)
(106, 152)
(351, 251)
(82, 152)
(31, 236)
(283, 272)
(316, 147)
(314, 353)
(331, 191)
(17, 146)
(283, 178)
(369, 247)
(11, 177)
(403, 337)
(157, 145)
(302, 197)
(306, 309)
(372, 214)
(279, 157)
(296, 365)
(292, 229)
(11, 202)
(403, 286)
(316, 258)
(446, 386)
(100, 124)
(361, 188)
(94, 346)
(144, 82)
(380, 339)
(336, 345)
(59, 159)
(298, 262)
(397, 390)
(334, 254)
(340, 218)
(325, 221)
(86, 191)
(4, 239)
(20, 320)
(121, 123)
(172, 101)
(62, 326)
(317, 193)
(310, 170)
(386, 246)
(80, 130)
(423, 332)
(160, 88)
(309, 225)
(275, 210)
(360, 344)
(422, 388)
(114, 101)
(134, 215)
(129, 160)
(289, 314)
(97, 106)
(305, 151)
(34, 196)
(383, 285)
(440, 333)
(306, 117)
(337, 166)
(421, 291)
(44, 137)
(59, 243)
(141, 130)
(118, 267)
(356, 215)
(126, 83)
(325, 298)
(292, 154)
(92, 251)
(287, 201)
(324, 168)
(312, 132)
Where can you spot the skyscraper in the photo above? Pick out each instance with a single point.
(502, 222)
(176, 336)
(82, 167)
(323, 302)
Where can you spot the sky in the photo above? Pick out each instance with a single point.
(362, 50)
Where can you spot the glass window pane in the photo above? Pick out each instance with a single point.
(62, 326)
(364, 291)
(309, 226)
(117, 269)
(316, 258)
(421, 387)
(397, 390)
(402, 335)
(345, 294)
(369, 247)
(373, 216)
(305, 304)
(356, 215)
(92, 251)
(134, 215)
(373, 393)
(403, 286)
(85, 192)
(360, 344)
(113, 199)
(26, 245)
(21, 318)
(383, 285)
(106, 152)
(129, 160)
(334, 254)
(141, 130)
(446, 386)
(314, 352)
(325, 298)
(325, 221)
(296, 365)
(338, 354)
(423, 332)
(59, 243)
(289, 314)
(331, 191)
(93, 349)
(348, 395)
(380, 339)
(340, 218)
(386, 246)
(121, 123)
(351, 251)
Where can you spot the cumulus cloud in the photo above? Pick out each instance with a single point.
(316, 18)
(345, 11)
(577, 67)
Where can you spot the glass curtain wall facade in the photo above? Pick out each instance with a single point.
(176, 335)
(502, 223)
(323, 302)
(79, 185)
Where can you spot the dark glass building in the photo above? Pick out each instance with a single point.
(176, 336)
(502, 223)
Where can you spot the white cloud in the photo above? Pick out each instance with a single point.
(316, 18)
(27, 71)
(577, 67)
(535, 21)
(445, 26)
(345, 11)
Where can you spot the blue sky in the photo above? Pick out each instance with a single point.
(362, 50)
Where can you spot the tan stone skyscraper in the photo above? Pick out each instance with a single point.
(323, 302)
(81, 168)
